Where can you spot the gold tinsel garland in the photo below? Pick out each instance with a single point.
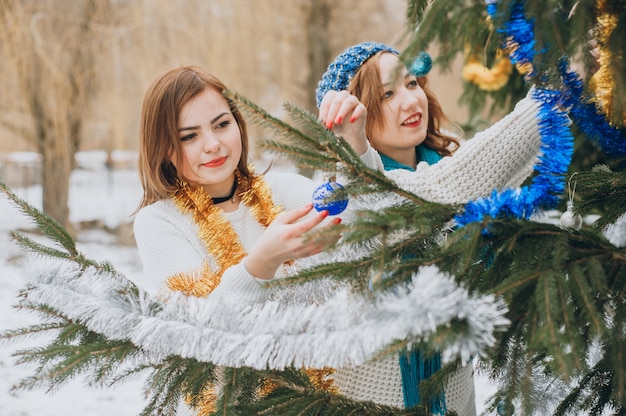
(602, 83)
(222, 242)
(320, 379)
(205, 403)
(496, 77)
(216, 232)
(488, 79)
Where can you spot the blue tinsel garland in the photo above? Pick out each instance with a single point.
(586, 116)
(557, 141)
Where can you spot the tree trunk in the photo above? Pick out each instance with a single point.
(319, 49)
(56, 170)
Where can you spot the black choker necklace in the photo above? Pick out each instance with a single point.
(229, 196)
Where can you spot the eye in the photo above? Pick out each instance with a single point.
(188, 137)
(387, 94)
(223, 124)
(412, 83)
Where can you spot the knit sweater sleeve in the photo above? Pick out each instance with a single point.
(168, 245)
(500, 157)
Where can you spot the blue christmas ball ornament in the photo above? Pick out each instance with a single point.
(505, 408)
(327, 197)
(422, 65)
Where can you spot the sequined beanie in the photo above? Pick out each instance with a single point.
(340, 72)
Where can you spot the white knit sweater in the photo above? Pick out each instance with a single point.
(168, 240)
(499, 157)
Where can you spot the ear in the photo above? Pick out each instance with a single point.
(172, 159)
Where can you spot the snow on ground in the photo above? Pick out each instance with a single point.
(96, 194)
(108, 198)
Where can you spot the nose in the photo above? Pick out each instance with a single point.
(409, 100)
(210, 144)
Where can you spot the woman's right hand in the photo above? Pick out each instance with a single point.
(346, 116)
(285, 239)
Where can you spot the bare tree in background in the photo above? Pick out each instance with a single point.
(318, 46)
(52, 46)
(74, 72)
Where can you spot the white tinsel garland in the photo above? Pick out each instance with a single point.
(347, 329)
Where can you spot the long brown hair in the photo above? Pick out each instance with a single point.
(159, 138)
(368, 88)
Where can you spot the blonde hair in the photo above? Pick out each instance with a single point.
(368, 88)
(159, 138)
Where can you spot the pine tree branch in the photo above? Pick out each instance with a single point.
(415, 11)
(302, 157)
(296, 397)
(173, 379)
(337, 155)
(601, 190)
(51, 227)
(557, 298)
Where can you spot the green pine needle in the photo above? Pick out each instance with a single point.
(51, 227)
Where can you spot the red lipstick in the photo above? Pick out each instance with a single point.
(215, 163)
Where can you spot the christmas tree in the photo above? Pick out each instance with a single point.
(543, 302)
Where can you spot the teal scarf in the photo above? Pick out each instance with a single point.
(423, 153)
(414, 367)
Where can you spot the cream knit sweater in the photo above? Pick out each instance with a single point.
(499, 157)
(168, 240)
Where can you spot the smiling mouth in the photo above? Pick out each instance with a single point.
(413, 120)
(215, 162)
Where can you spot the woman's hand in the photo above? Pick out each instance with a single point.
(285, 239)
(345, 115)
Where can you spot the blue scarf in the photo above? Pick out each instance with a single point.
(414, 367)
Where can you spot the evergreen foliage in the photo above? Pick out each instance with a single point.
(565, 288)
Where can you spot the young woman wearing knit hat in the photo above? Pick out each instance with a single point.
(394, 121)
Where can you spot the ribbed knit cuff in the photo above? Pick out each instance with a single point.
(238, 283)
(371, 158)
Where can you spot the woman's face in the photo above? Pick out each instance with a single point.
(404, 111)
(211, 143)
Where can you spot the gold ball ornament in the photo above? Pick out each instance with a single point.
(488, 79)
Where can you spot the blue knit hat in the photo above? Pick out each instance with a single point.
(340, 72)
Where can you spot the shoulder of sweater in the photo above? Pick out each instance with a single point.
(164, 209)
(161, 206)
(281, 181)
(283, 176)
(290, 190)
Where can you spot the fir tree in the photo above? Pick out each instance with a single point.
(564, 286)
